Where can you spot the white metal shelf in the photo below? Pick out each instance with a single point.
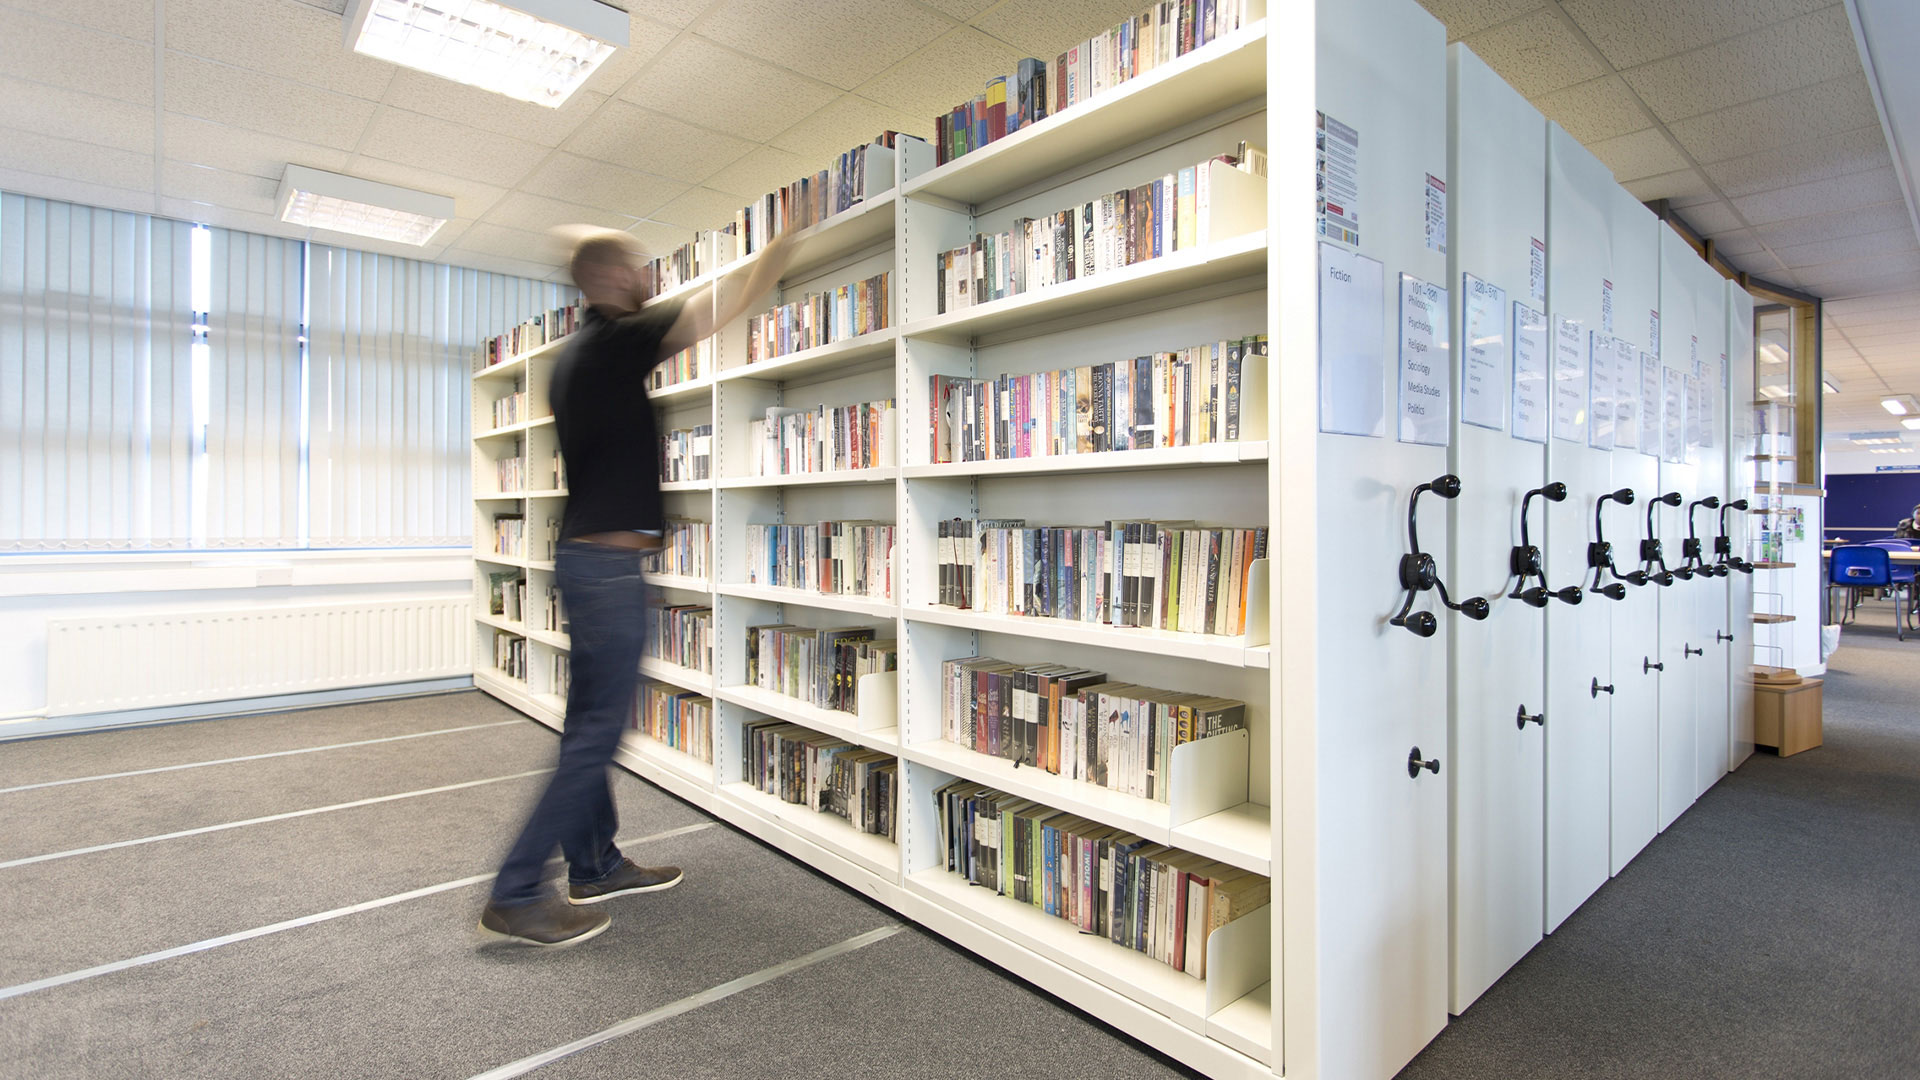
(680, 582)
(860, 605)
(687, 485)
(686, 765)
(1243, 256)
(517, 365)
(832, 722)
(1208, 79)
(833, 358)
(879, 475)
(1170, 457)
(685, 678)
(860, 226)
(876, 853)
(498, 622)
(1209, 648)
(682, 389)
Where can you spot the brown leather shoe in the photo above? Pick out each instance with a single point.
(546, 922)
(630, 878)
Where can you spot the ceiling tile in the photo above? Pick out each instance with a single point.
(537, 213)
(1866, 281)
(1880, 266)
(657, 238)
(951, 70)
(1681, 183)
(706, 84)
(471, 198)
(1537, 54)
(1633, 32)
(49, 156)
(51, 110)
(202, 142)
(1846, 247)
(1639, 155)
(675, 13)
(762, 170)
(293, 41)
(1463, 17)
(1830, 155)
(700, 208)
(1737, 244)
(1819, 196)
(59, 54)
(1841, 104)
(227, 218)
(422, 93)
(1596, 109)
(260, 102)
(1892, 301)
(598, 184)
(628, 135)
(819, 44)
(848, 122)
(125, 18)
(438, 145)
(1784, 56)
(1711, 218)
(507, 243)
(1806, 230)
(645, 39)
(1047, 30)
(217, 187)
(63, 189)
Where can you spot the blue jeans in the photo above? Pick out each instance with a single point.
(606, 601)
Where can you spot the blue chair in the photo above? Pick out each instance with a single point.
(1855, 567)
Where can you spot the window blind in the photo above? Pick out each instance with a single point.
(253, 391)
(96, 408)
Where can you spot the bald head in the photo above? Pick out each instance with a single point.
(610, 271)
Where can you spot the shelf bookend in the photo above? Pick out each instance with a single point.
(879, 697)
(1239, 958)
(1259, 603)
(1208, 775)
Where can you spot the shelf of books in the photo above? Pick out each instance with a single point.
(972, 513)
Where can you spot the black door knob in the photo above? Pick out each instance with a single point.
(1720, 637)
(1647, 664)
(1523, 718)
(1688, 650)
(1594, 691)
(1415, 763)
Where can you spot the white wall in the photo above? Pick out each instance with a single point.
(35, 589)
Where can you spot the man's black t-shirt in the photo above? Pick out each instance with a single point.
(605, 425)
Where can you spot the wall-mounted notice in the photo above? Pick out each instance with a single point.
(1626, 395)
(1693, 355)
(1600, 391)
(1353, 344)
(1483, 368)
(1537, 271)
(1337, 170)
(1650, 407)
(1436, 214)
(1530, 406)
(1426, 374)
(1673, 423)
(1695, 391)
(1569, 380)
(1606, 306)
(1712, 384)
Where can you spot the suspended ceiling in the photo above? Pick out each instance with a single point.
(1755, 118)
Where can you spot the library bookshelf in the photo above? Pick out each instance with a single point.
(1183, 112)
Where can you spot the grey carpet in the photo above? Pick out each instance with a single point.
(1773, 930)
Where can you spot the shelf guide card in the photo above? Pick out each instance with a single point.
(1626, 395)
(1352, 343)
(1600, 390)
(1569, 380)
(1650, 409)
(1426, 370)
(1530, 405)
(1674, 414)
(1483, 368)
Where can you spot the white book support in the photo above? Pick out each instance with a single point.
(1208, 776)
(1237, 958)
(879, 701)
(1237, 203)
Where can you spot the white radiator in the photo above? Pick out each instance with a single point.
(116, 663)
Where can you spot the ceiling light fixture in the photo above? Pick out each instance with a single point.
(1901, 405)
(348, 204)
(1829, 384)
(1911, 423)
(532, 50)
(1773, 392)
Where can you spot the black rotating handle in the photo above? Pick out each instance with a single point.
(1652, 553)
(1596, 688)
(1723, 544)
(1526, 562)
(1419, 573)
(1523, 718)
(1692, 548)
(1722, 637)
(1647, 664)
(1600, 553)
(1688, 650)
(1415, 763)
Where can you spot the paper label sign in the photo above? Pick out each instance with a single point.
(1600, 384)
(1530, 405)
(1626, 395)
(1426, 376)
(1653, 332)
(1483, 367)
(1569, 380)
(1353, 347)
(1606, 307)
(1337, 172)
(1650, 413)
(1674, 416)
(1537, 271)
(1436, 214)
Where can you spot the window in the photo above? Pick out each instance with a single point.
(169, 386)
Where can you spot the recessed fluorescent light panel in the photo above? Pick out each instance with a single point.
(1901, 405)
(533, 50)
(348, 204)
(1911, 423)
(1871, 438)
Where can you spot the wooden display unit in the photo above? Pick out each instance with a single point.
(1787, 717)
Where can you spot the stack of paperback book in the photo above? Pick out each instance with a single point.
(535, 332)
(819, 667)
(1168, 575)
(1221, 197)
(511, 473)
(684, 545)
(677, 718)
(552, 616)
(1147, 897)
(687, 454)
(510, 655)
(510, 409)
(837, 558)
(804, 767)
(1168, 29)
(687, 365)
(821, 318)
(560, 673)
(1077, 723)
(681, 634)
(1196, 396)
(827, 438)
(507, 595)
(509, 534)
